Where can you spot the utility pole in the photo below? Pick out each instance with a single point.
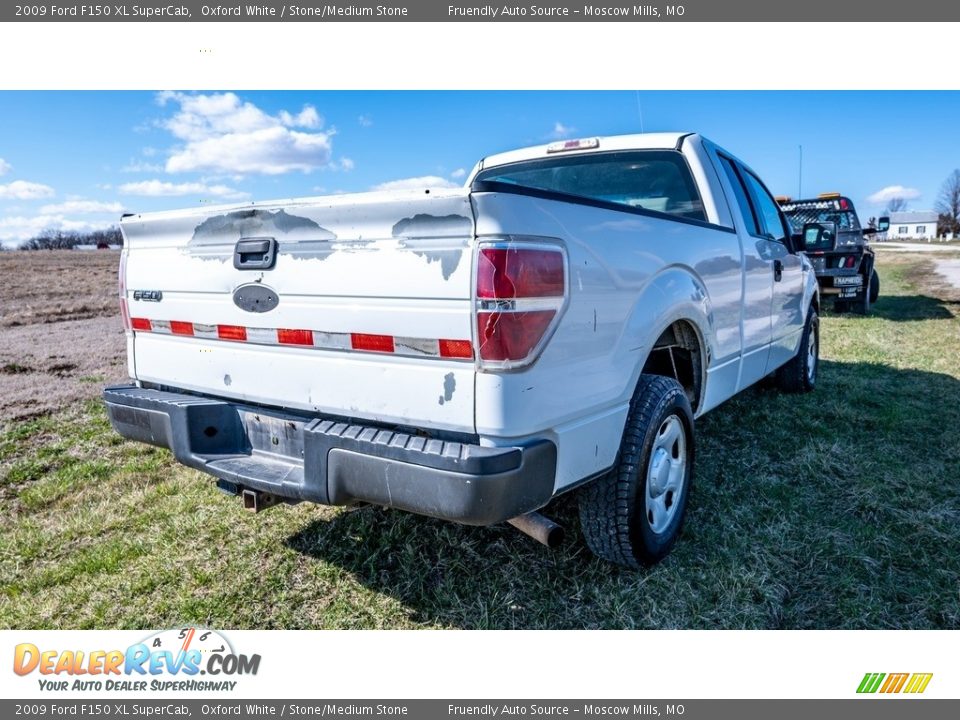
(800, 174)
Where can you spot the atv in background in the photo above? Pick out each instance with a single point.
(833, 239)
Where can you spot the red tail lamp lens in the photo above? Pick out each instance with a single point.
(505, 273)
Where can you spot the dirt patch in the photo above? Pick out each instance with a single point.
(927, 274)
(15, 369)
(46, 367)
(45, 286)
(61, 339)
(949, 270)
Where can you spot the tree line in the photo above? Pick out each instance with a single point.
(69, 239)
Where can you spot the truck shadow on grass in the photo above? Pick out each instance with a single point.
(839, 509)
(914, 307)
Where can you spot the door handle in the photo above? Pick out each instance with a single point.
(777, 270)
(255, 254)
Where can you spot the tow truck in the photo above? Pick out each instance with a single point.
(836, 244)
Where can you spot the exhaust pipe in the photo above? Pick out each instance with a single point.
(255, 501)
(542, 529)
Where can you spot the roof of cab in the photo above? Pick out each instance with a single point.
(638, 141)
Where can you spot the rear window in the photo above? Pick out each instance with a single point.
(657, 180)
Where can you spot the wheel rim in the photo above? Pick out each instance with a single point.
(666, 472)
(812, 355)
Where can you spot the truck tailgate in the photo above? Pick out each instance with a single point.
(364, 311)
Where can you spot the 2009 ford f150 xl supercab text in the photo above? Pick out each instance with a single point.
(471, 353)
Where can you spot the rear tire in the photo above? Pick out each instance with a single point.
(800, 374)
(861, 305)
(633, 515)
(874, 286)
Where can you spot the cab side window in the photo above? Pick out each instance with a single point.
(767, 208)
(740, 192)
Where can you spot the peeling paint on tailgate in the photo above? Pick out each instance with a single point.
(381, 264)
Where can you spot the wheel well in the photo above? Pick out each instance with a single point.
(677, 354)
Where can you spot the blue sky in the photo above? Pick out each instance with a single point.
(76, 160)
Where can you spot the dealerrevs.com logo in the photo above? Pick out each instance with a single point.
(167, 660)
(890, 683)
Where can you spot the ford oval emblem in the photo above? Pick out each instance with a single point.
(255, 298)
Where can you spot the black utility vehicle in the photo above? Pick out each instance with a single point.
(836, 244)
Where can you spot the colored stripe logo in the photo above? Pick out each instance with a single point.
(910, 683)
(360, 342)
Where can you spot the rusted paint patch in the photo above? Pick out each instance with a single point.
(449, 387)
(417, 232)
(320, 249)
(254, 222)
(449, 259)
(425, 225)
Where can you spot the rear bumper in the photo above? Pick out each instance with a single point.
(321, 460)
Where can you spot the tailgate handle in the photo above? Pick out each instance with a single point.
(255, 254)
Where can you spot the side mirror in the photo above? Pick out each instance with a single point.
(796, 243)
(819, 236)
(869, 231)
(883, 224)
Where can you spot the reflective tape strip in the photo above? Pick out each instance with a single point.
(205, 331)
(361, 342)
(332, 341)
(263, 336)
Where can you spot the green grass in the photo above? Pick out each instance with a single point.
(835, 509)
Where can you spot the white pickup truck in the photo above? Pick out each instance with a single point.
(555, 324)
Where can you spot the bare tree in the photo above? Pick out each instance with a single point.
(896, 204)
(50, 240)
(948, 205)
(60, 240)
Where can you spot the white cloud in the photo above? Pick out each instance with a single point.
(306, 118)
(5, 167)
(561, 131)
(136, 166)
(346, 164)
(82, 207)
(23, 190)
(223, 134)
(14, 230)
(458, 173)
(890, 192)
(416, 183)
(161, 188)
(365, 120)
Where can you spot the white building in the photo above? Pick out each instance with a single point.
(913, 226)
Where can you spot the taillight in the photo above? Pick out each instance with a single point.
(122, 288)
(520, 292)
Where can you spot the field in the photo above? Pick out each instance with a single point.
(839, 509)
(60, 327)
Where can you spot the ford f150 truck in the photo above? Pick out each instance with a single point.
(555, 324)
